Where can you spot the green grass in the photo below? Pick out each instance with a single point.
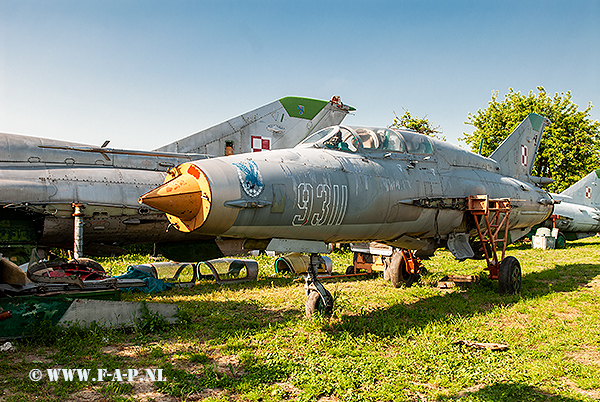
(251, 342)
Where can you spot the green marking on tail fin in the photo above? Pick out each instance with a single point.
(303, 108)
(536, 121)
(597, 173)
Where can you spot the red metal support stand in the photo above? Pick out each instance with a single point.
(491, 217)
(413, 263)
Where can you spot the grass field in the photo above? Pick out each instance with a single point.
(251, 341)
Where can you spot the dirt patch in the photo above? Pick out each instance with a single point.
(123, 350)
(593, 285)
(290, 391)
(514, 320)
(170, 347)
(588, 355)
(471, 390)
(32, 359)
(592, 393)
(41, 355)
(132, 351)
(227, 364)
(145, 391)
(142, 391)
(87, 395)
(332, 398)
(215, 393)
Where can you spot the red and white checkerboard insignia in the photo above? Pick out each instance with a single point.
(524, 155)
(588, 192)
(258, 143)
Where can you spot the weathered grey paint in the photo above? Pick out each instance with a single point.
(44, 177)
(399, 198)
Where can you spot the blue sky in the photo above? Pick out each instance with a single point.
(145, 73)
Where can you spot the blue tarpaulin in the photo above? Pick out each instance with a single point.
(152, 284)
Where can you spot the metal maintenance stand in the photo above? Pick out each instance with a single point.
(492, 217)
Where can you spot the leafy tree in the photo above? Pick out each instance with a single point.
(420, 125)
(570, 145)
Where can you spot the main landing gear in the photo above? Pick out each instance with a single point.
(492, 220)
(404, 268)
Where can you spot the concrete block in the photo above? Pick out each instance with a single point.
(113, 313)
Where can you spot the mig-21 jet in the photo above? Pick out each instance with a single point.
(359, 184)
(577, 215)
(83, 197)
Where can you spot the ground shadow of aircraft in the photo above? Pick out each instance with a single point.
(398, 319)
(240, 320)
(509, 392)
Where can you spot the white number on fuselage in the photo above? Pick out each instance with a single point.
(328, 202)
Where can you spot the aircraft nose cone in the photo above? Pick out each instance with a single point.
(185, 198)
(178, 197)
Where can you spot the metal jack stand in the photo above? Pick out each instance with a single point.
(493, 215)
(318, 299)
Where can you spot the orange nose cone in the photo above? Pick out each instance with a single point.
(185, 198)
(180, 197)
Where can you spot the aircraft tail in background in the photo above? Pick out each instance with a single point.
(518, 151)
(280, 124)
(585, 192)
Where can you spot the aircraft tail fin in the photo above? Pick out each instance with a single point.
(280, 124)
(586, 191)
(517, 152)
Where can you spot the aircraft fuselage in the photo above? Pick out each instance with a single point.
(342, 196)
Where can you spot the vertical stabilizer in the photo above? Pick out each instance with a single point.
(586, 191)
(280, 124)
(517, 152)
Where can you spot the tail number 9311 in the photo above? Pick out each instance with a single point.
(325, 205)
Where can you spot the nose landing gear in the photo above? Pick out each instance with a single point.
(318, 299)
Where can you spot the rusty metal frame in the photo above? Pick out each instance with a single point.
(494, 216)
(413, 263)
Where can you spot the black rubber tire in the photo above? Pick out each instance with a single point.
(561, 241)
(397, 271)
(509, 276)
(350, 270)
(314, 304)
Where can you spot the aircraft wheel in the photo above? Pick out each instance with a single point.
(561, 241)
(509, 276)
(315, 304)
(350, 270)
(397, 271)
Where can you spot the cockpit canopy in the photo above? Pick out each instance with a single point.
(351, 139)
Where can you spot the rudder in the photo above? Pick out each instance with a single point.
(518, 151)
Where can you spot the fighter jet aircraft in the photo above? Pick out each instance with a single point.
(76, 196)
(357, 184)
(578, 214)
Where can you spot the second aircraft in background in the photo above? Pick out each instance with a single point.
(75, 196)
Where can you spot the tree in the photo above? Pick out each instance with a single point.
(570, 145)
(420, 125)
